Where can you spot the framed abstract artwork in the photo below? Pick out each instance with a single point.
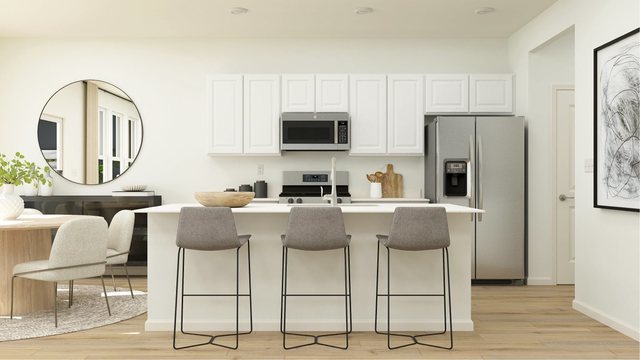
(617, 123)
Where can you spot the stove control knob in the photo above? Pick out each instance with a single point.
(290, 200)
(299, 201)
(339, 201)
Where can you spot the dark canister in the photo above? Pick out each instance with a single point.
(245, 188)
(260, 188)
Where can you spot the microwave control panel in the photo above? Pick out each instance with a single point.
(343, 132)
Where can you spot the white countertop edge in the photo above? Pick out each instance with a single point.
(390, 200)
(266, 208)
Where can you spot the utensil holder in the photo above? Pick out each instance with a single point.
(375, 190)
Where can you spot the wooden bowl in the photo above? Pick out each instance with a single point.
(224, 199)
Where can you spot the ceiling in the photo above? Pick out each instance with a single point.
(265, 19)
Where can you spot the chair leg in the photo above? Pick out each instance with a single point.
(250, 299)
(12, 280)
(375, 319)
(70, 293)
(55, 303)
(128, 280)
(113, 278)
(106, 298)
(346, 300)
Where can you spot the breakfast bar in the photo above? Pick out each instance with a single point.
(209, 272)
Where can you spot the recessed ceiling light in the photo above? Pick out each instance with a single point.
(484, 10)
(238, 10)
(363, 10)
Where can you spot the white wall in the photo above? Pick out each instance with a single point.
(607, 242)
(550, 64)
(166, 79)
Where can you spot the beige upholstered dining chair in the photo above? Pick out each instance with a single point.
(78, 252)
(119, 243)
(28, 211)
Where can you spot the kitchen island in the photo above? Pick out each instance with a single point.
(311, 272)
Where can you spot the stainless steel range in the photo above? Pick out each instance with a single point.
(308, 187)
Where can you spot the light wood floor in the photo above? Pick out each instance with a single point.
(534, 322)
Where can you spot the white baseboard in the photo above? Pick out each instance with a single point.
(167, 325)
(611, 322)
(540, 281)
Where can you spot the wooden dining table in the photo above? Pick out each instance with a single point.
(25, 239)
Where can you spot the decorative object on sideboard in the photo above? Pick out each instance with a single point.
(392, 184)
(15, 172)
(133, 193)
(46, 189)
(101, 142)
(133, 187)
(260, 188)
(616, 176)
(375, 186)
(226, 198)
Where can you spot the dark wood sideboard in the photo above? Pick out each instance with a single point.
(105, 206)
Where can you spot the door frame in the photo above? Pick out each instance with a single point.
(554, 136)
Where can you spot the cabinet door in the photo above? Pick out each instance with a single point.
(405, 119)
(224, 98)
(368, 108)
(491, 93)
(447, 93)
(332, 92)
(261, 114)
(298, 93)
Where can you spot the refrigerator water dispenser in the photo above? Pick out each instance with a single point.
(456, 174)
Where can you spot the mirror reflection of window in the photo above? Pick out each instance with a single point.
(102, 132)
(50, 139)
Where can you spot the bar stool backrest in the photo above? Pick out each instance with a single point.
(202, 228)
(316, 228)
(419, 228)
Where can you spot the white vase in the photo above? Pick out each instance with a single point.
(46, 189)
(375, 190)
(30, 189)
(11, 205)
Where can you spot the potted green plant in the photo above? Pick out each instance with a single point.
(15, 172)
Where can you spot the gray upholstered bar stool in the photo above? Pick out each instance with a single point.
(316, 229)
(209, 229)
(416, 229)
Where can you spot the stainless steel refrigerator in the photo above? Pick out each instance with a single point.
(480, 162)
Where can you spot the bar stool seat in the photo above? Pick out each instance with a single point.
(416, 229)
(209, 229)
(316, 229)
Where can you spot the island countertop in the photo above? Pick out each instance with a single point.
(266, 208)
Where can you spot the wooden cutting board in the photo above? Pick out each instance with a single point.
(392, 186)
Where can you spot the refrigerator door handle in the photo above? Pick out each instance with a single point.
(480, 173)
(470, 176)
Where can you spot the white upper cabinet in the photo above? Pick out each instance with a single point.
(405, 121)
(262, 114)
(446, 93)
(298, 93)
(491, 93)
(332, 93)
(224, 118)
(368, 110)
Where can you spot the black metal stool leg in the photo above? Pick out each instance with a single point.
(446, 288)
(347, 304)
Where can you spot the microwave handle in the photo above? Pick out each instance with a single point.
(335, 132)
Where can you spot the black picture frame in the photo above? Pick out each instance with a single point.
(601, 95)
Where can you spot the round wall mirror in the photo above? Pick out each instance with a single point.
(90, 132)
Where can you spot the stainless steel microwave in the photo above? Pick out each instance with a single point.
(315, 131)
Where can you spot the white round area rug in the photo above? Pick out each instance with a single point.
(88, 311)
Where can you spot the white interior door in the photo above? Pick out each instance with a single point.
(564, 113)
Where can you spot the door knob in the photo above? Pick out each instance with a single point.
(564, 197)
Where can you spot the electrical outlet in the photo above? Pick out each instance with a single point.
(588, 166)
(260, 169)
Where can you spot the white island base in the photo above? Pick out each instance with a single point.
(309, 272)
